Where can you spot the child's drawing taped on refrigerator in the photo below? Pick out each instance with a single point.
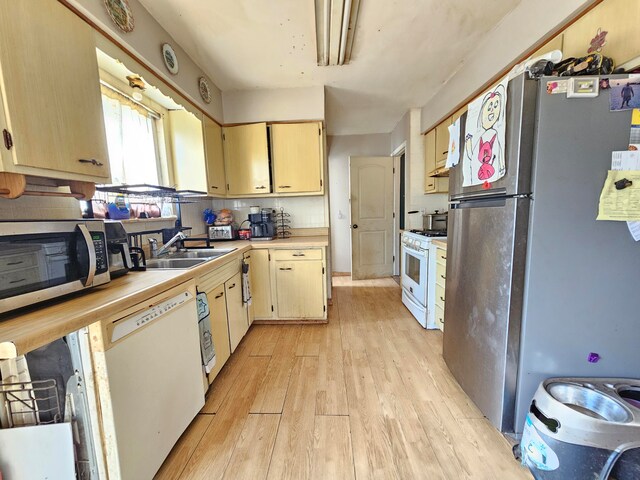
(483, 159)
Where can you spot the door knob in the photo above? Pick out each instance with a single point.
(355, 225)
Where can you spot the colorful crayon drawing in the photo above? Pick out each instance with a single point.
(484, 160)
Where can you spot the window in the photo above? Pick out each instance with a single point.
(132, 139)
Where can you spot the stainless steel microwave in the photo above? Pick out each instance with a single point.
(41, 260)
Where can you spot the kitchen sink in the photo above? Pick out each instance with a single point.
(187, 259)
(202, 253)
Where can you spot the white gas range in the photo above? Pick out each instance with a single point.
(418, 270)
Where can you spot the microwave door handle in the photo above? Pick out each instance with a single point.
(92, 254)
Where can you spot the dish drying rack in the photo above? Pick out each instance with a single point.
(283, 227)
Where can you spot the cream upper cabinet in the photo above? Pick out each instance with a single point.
(432, 184)
(214, 153)
(187, 145)
(297, 157)
(259, 272)
(50, 93)
(246, 156)
(442, 142)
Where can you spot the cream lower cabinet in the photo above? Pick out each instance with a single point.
(219, 328)
(51, 108)
(236, 310)
(260, 274)
(298, 284)
(441, 276)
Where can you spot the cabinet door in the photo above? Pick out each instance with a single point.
(261, 284)
(429, 160)
(250, 308)
(246, 157)
(51, 90)
(297, 157)
(442, 142)
(236, 312)
(300, 289)
(187, 144)
(216, 182)
(219, 328)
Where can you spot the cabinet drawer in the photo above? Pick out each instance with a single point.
(19, 278)
(440, 318)
(18, 261)
(441, 274)
(308, 254)
(440, 296)
(441, 256)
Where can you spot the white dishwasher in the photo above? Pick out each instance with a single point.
(152, 365)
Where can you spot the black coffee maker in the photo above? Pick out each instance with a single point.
(262, 226)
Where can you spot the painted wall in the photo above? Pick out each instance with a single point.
(339, 150)
(513, 36)
(407, 132)
(282, 104)
(145, 41)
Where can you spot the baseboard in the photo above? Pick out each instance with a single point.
(340, 274)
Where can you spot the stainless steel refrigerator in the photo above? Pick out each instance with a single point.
(534, 283)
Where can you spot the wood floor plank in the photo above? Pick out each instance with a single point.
(332, 449)
(331, 397)
(268, 340)
(309, 344)
(212, 455)
(225, 380)
(271, 395)
(252, 455)
(292, 454)
(182, 451)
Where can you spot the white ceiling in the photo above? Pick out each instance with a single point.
(404, 50)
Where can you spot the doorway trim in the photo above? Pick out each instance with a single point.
(402, 148)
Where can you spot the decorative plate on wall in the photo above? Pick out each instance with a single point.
(205, 91)
(120, 13)
(170, 59)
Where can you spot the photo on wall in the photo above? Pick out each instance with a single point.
(624, 94)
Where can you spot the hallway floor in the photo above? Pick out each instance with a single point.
(366, 396)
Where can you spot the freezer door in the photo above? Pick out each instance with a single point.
(521, 103)
(485, 270)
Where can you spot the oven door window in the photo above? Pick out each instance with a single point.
(412, 266)
(29, 263)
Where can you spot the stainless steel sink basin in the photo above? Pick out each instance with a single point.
(174, 262)
(187, 259)
(202, 253)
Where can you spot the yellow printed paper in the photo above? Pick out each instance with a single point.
(620, 205)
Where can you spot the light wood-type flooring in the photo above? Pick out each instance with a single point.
(367, 396)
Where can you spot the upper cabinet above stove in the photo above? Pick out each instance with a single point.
(50, 109)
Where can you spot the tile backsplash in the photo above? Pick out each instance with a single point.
(306, 212)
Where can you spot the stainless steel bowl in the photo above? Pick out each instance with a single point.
(630, 394)
(590, 402)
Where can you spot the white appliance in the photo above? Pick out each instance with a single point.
(418, 268)
(154, 370)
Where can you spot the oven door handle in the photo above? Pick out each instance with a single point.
(422, 253)
(92, 254)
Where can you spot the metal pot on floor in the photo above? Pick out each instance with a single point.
(583, 428)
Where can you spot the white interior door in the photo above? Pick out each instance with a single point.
(371, 181)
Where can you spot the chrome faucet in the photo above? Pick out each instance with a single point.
(153, 247)
(177, 237)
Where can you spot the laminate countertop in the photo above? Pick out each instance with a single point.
(27, 329)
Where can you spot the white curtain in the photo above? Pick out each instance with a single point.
(130, 139)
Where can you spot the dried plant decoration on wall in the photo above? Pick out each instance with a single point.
(170, 58)
(120, 13)
(205, 90)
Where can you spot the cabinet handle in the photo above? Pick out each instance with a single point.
(18, 281)
(441, 320)
(213, 186)
(288, 268)
(298, 255)
(430, 185)
(16, 263)
(445, 152)
(284, 186)
(232, 286)
(443, 277)
(92, 161)
(444, 257)
(220, 295)
(261, 187)
(441, 298)
(247, 256)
